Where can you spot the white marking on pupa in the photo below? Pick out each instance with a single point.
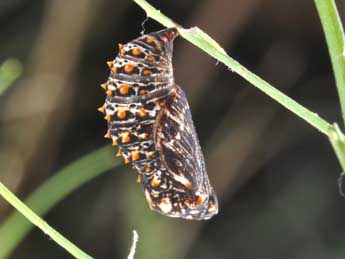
(163, 186)
(165, 205)
(112, 87)
(183, 180)
(155, 193)
(152, 113)
(211, 208)
(194, 212)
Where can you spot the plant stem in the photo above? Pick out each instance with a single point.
(10, 70)
(56, 188)
(335, 38)
(30, 215)
(211, 47)
(337, 140)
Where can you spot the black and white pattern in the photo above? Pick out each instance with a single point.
(149, 119)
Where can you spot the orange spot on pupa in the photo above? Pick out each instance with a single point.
(146, 72)
(142, 112)
(121, 113)
(149, 39)
(109, 92)
(104, 85)
(143, 135)
(123, 89)
(107, 117)
(126, 160)
(188, 185)
(126, 137)
(199, 200)
(115, 143)
(161, 103)
(150, 58)
(107, 135)
(142, 91)
(148, 169)
(151, 153)
(136, 52)
(129, 68)
(101, 109)
(122, 50)
(114, 70)
(119, 153)
(135, 155)
(139, 178)
(154, 182)
(158, 48)
(110, 64)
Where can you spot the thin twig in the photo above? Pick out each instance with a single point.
(335, 38)
(134, 245)
(40, 223)
(51, 192)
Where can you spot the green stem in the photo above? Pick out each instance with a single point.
(30, 215)
(334, 33)
(335, 39)
(211, 47)
(56, 188)
(337, 140)
(10, 70)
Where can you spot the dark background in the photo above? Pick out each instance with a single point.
(275, 176)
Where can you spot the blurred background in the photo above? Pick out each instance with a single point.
(275, 176)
